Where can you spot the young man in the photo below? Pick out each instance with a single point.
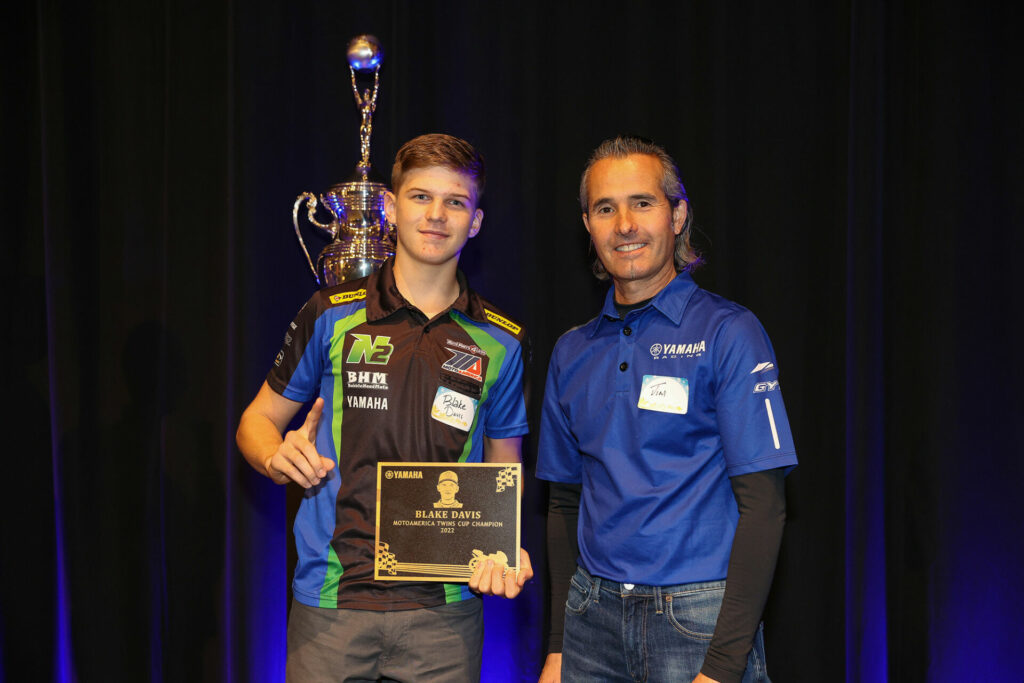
(377, 353)
(665, 441)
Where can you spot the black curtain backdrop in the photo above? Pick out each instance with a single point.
(855, 174)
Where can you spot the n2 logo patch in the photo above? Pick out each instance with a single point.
(373, 350)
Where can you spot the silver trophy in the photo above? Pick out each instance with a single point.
(361, 237)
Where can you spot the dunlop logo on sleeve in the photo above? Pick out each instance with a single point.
(346, 297)
(502, 322)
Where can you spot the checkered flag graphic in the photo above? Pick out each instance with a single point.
(506, 479)
(386, 562)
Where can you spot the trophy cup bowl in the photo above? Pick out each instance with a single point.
(364, 240)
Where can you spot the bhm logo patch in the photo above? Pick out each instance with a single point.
(365, 379)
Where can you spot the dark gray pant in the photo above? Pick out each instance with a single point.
(430, 644)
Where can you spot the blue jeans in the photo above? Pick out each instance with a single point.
(624, 632)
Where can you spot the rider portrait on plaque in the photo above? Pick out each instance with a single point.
(448, 486)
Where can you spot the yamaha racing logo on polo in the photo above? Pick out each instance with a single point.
(671, 350)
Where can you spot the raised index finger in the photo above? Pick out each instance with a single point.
(313, 419)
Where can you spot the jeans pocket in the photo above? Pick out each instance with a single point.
(579, 597)
(694, 613)
(756, 665)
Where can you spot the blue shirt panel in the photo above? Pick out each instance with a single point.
(504, 410)
(316, 517)
(656, 505)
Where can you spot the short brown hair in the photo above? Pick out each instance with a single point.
(438, 149)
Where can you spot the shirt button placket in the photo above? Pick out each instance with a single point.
(626, 347)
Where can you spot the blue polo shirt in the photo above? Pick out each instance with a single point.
(652, 415)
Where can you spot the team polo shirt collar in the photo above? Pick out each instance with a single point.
(383, 297)
(670, 301)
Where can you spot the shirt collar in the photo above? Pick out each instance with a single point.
(383, 297)
(670, 302)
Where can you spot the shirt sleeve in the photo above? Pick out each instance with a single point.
(558, 450)
(748, 399)
(506, 410)
(299, 365)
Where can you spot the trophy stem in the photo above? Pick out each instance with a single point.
(367, 104)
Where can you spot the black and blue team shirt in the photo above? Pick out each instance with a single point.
(652, 415)
(396, 387)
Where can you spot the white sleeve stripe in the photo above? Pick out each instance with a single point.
(771, 421)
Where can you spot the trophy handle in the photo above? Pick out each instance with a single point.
(311, 216)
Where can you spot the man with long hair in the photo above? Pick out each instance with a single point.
(665, 440)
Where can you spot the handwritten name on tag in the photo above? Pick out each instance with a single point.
(453, 408)
(665, 394)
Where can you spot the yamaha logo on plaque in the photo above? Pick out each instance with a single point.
(439, 521)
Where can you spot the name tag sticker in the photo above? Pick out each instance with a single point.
(453, 408)
(665, 394)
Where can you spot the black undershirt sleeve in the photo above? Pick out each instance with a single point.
(761, 497)
(563, 549)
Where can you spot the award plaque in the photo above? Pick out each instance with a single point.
(438, 521)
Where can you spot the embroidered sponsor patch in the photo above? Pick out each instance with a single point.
(453, 408)
(665, 394)
(366, 402)
(471, 348)
(364, 379)
(502, 322)
(465, 364)
(369, 349)
(345, 297)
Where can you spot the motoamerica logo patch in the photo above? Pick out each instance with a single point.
(465, 364)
